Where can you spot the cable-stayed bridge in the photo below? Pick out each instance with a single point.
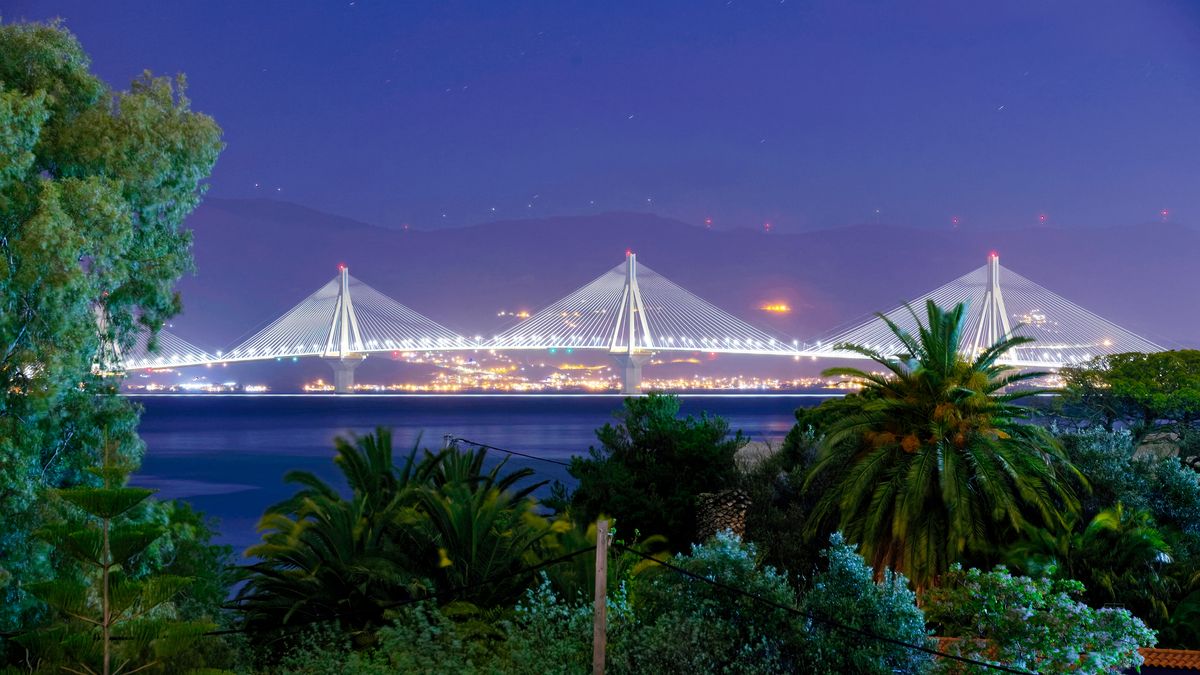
(632, 312)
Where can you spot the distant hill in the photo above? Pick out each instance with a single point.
(256, 258)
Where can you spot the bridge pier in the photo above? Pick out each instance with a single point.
(631, 371)
(343, 372)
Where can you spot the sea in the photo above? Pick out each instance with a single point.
(227, 455)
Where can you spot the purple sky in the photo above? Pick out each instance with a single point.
(801, 114)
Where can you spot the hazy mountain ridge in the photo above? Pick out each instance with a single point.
(1142, 277)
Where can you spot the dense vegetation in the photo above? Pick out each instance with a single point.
(94, 185)
(929, 484)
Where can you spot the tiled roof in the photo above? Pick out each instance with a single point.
(1176, 659)
(1180, 659)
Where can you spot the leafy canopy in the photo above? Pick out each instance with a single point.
(650, 467)
(94, 187)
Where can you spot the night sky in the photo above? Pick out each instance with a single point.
(800, 114)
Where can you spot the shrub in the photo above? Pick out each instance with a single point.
(847, 591)
(688, 626)
(1036, 624)
(550, 635)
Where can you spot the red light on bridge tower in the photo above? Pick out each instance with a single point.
(1165, 213)
(341, 267)
(766, 227)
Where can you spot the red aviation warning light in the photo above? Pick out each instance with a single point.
(993, 254)
(628, 252)
(341, 267)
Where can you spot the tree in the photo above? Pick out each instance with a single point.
(109, 620)
(325, 557)
(483, 527)
(1142, 391)
(933, 462)
(94, 187)
(651, 466)
(438, 522)
(1119, 555)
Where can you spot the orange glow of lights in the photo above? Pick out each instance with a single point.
(776, 308)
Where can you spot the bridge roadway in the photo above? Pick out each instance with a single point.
(631, 312)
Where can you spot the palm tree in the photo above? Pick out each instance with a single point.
(325, 557)
(1119, 555)
(483, 527)
(932, 460)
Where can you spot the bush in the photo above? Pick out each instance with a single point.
(550, 635)
(1035, 624)
(1164, 486)
(688, 626)
(650, 467)
(847, 592)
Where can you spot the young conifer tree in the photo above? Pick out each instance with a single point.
(107, 622)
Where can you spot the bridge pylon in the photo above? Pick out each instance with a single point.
(993, 324)
(344, 345)
(633, 329)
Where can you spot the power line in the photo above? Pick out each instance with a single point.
(450, 439)
(818, 618)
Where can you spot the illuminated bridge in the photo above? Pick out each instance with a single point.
(632, 312)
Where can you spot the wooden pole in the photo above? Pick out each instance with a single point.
(600, 609)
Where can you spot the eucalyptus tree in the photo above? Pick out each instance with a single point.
(933, 460)
(94, 187)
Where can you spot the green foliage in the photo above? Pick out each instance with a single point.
(1119, 555)
(1142, 391)
(438, 522)
(1163, 486)
(688, 626)
(108, 620)
(1138, 540)
(650, 467)
(94, 186)
(326, 557)
(847, 592)
(779, 504)
(1035, 624)
(932, 461)
(551, 635)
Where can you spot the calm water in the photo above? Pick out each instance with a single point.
(227, 454)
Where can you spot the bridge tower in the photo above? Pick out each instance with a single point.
(633, 330)
(343, 346)
(993, 323)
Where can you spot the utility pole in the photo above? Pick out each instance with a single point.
(600, 608)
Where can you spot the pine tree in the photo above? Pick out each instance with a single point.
(107, 622)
